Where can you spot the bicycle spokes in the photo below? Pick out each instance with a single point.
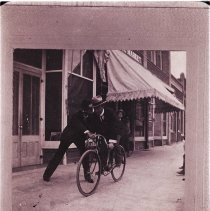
(118, 167)
(87, 181)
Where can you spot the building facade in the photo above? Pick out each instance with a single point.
(168, 127)
(49, 86)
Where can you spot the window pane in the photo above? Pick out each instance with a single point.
(54, 59)
(79, 90)
(149, 55)
(35, 105)
(26, 104)
(15, 102)
(157, 124)
(76, 62)
(158, 59)
(53, 104)
(139, 122)
(88, 65)
(31, 57)
(31, 88)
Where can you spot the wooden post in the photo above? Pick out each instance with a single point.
(146, 144)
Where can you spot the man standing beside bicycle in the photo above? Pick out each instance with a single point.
(75, 132)
(104, 121)
(124, 125)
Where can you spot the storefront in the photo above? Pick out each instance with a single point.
(48, 86)
(151, 100)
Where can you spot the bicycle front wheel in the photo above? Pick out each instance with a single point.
(86, 187)
(118, 171)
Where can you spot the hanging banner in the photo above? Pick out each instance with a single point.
(101, 57)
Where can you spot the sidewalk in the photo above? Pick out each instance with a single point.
(150, 183)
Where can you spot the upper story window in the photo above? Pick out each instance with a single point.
(156, 58)
(153, 56)
(159, 59)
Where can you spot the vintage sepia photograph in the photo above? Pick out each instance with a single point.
(104, 106)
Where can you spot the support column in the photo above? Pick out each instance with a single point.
(169, 128)
(6, 127)
(153, 119)
(146, 142)
(42, 105)
(66, 56)
(161, 128)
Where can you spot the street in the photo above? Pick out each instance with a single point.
(150, 183)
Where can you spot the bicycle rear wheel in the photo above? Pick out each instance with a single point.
(118, 171)
(86, 188)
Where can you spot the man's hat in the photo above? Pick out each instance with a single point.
(97, 101)
(86, 104)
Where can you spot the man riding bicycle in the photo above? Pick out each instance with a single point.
(104, 121)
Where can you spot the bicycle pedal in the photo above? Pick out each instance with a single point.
(105, 173)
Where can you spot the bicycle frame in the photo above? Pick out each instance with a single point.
(93, 143)
(87, 186)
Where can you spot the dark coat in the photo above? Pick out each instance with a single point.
(124, 127)
(74, 131)
(108, 127)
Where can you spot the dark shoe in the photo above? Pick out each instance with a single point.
(181, 172)
(88, 178)
(46, 179)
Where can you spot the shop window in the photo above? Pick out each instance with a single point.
(82, 63)
(53, 107)
(76, 62)
(80, 80)
(79, 89)
(54, 59)
(173, 122)
(15, 102)
(157, 131)
(139, 120)
(88, 65)
(31, 99)
(32, 57)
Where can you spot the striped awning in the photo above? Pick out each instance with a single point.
(129, 80)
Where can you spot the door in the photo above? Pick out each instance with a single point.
(26, 116)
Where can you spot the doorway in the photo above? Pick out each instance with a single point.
(26, 115)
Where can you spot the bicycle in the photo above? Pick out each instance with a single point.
(93, 156)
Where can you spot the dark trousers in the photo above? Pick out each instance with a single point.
(118, 153)
(63, 147)
(115, 153)
(124, 141)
